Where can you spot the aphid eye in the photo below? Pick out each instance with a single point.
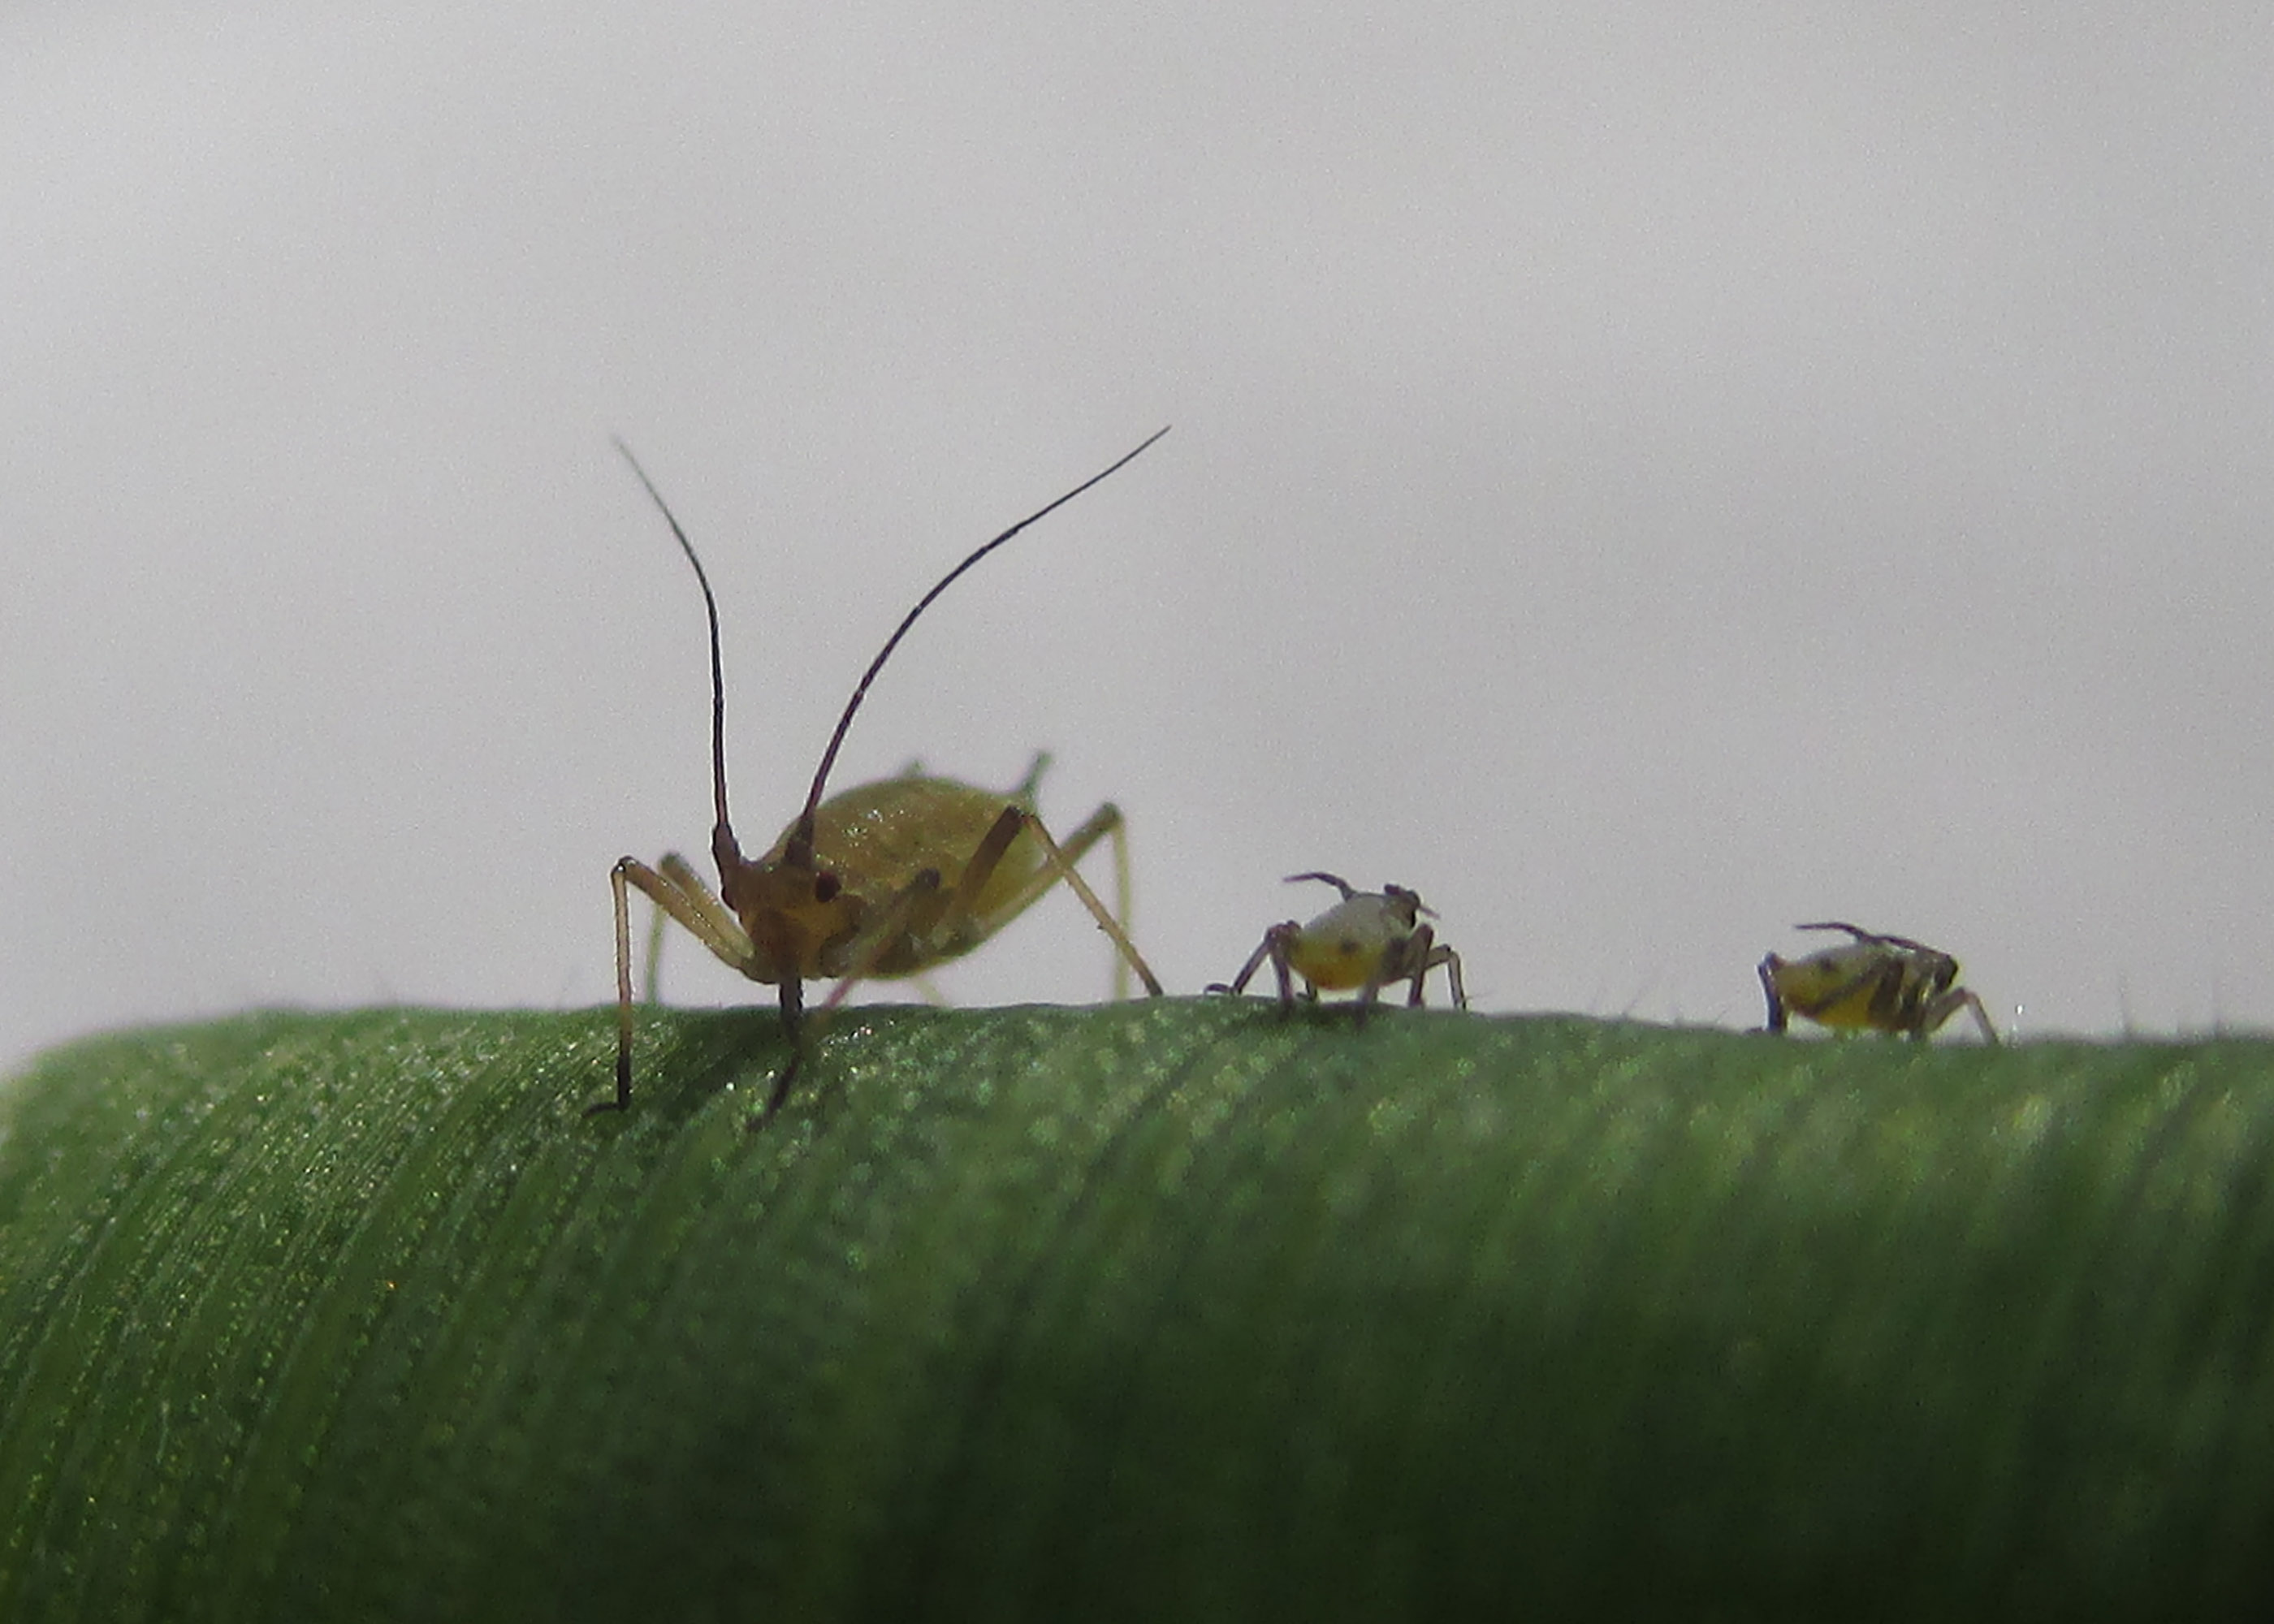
(825, 887)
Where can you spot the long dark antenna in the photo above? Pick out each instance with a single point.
(799, 846)
(722, 833)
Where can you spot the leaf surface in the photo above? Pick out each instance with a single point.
(1170, 1310)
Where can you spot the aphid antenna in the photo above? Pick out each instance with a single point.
(1350, 891)
(1870, 938)
(724, 850)
(798, 848)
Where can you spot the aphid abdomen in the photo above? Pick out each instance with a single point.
(877, 837)
(880, 840)
(938, 867)
(1854, 1011)
(1332, 963)
(1833, 987)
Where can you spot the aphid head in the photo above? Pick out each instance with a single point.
(1941, 972)
(1408, 904)
(791, 913)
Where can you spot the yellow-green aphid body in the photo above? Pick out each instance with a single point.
(1870, 983)
(1348, 944)
(1366, 941)
(878, 839)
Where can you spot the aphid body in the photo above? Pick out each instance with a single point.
(879, 841)
(885, 879)
(1871, 982)
(1368, 940)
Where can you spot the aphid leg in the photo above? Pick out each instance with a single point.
(1263, 951)
(1419, 953)
(623, 902)
(1101, 824)
(1105, 823)
(1107, 818)
(915, 910)
(1030, 787)
(1283, 938)
(682, 873)
(651, 983)
(680, 892)
(1124, 895)
(1768, 971)
(1428, 955)
(1453, 973)
(793, 1006)
(916, 899)
(1892, 984)
(1947, 1005)
(1058, 867)
(1369, 992)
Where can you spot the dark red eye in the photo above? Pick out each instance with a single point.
(825, 887)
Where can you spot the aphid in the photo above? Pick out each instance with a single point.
(887, 879)
(1368, 940)
(1874, 982)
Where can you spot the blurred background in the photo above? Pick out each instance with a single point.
(1643, 474)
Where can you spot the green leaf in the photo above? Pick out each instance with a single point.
(1165, 1311)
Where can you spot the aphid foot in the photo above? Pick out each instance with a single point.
(780, 1092)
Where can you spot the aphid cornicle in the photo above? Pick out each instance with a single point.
(1368, 940)
(886, 879)
(1873, 983)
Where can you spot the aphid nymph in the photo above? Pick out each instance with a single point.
(1871, 982)
(886, 879)
(1368, 940)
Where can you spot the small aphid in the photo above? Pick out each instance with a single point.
(1874, 982)
(887, 879)
(1368, 940)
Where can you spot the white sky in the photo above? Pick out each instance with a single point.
(1644, 475)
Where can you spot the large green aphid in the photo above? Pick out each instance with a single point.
(886, 879)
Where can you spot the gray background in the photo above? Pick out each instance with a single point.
(1643, 474)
